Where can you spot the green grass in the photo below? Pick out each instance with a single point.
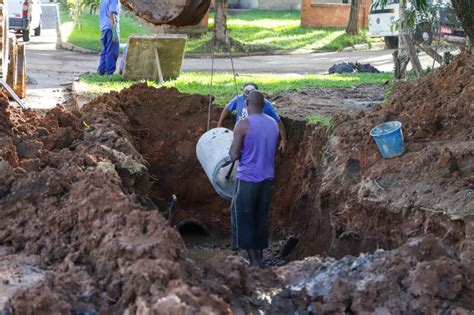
(255, 31)
(324, 121)
(89, 36)
(224, 88)
(260, 30)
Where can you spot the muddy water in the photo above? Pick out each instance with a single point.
(17, 271)
(203, 247)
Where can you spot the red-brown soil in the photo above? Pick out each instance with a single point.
(379, 203)
(84, 192)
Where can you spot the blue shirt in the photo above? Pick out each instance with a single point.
(238, 103)
(107, 6)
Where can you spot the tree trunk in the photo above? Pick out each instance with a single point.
(353, 25)
(220, 24)
(465, 12)
(406, 49)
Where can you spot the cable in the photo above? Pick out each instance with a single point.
(212, 78)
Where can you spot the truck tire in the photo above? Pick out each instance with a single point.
(38, 30)
(391, 42)
(26, 35)
(423, 33)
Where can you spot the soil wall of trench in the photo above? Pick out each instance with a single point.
(83, 191)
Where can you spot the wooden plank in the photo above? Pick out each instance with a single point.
(140, 61)
(20, 87)
(13, 62)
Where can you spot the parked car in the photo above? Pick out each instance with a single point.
(447, 27)
(25, 16)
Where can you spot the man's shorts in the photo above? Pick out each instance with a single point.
(249, 215)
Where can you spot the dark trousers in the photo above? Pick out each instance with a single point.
(249, 215)
(109, 53)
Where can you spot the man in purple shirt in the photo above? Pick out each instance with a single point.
(255, 144)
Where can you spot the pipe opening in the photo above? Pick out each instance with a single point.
(192, 228)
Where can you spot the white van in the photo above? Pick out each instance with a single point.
(448, 28)
(382, 23)
(24, 17)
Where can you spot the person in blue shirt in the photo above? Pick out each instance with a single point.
(239, 104)
(109, 26)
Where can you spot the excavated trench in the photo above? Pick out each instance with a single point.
(83, 193)
(317, 217)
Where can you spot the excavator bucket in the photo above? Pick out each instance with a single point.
(170, 12)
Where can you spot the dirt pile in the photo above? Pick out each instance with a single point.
(377, 203)
(69, 195)
(422, 277)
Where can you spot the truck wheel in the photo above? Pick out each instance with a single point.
(38, 30)
(424, 33)
(391, 42)
(26, 35)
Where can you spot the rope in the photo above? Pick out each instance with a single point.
(212, 78)
(233, 68)
(229, 48)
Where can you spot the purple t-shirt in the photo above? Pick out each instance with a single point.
(257, 156)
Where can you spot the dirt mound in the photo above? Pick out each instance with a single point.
(438, 106)
(378, 203)
(422, 276)
(62, 198)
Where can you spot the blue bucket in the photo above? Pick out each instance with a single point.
(389, 139)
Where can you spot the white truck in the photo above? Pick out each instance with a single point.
(25, 16)
(382, 24)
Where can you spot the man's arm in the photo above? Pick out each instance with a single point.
(223, 116)
(113, 9)
(281, 128)
(112, 18)
(270, 111)
(240, 131)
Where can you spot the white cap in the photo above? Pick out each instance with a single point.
(249, 88)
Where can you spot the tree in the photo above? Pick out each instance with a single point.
(220, 23)
(353, 25)
(465, 11)
(405, 42)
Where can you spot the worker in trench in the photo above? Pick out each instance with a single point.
(239, 104)
(254, 145)
(110, 30)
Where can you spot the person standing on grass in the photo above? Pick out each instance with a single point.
(239, 104)
(109, 26)
(254, 144)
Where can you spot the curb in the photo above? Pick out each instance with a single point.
(365, 47)
(61, 44)
(358, 47)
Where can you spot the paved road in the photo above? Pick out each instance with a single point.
(50, 68)
(301, 64)
(53, 69)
